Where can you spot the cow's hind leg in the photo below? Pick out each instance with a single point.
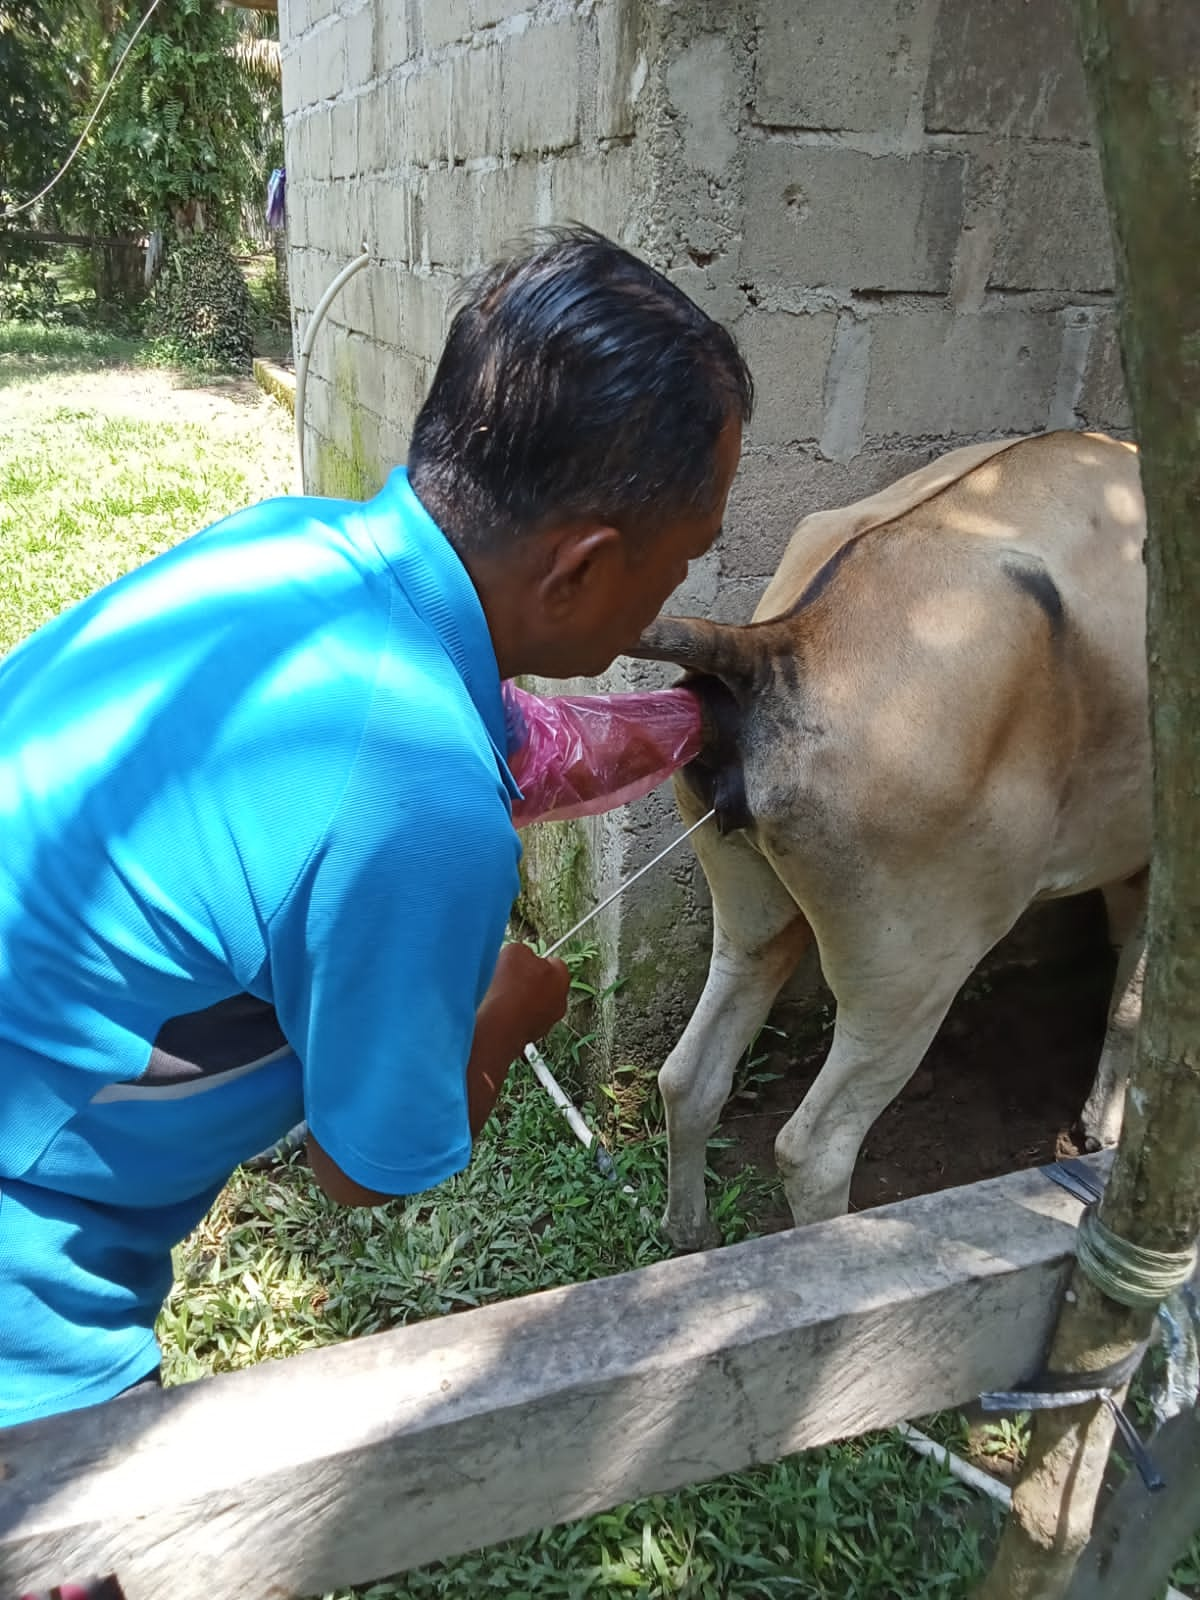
(895, 965)
(1125, 905)
(759, 936)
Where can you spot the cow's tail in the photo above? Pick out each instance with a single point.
(725, 665)
(736, 655)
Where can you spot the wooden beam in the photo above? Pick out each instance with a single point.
(342, 1465)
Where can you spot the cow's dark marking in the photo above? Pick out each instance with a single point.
(1036, 582)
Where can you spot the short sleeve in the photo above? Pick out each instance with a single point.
(384, 950)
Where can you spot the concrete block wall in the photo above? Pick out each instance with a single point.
(895, 205)
(434, 131)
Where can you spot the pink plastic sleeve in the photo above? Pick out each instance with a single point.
(577, 755)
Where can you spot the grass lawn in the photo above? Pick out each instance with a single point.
(101, 464)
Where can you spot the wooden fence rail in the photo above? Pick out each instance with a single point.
(341, 1465)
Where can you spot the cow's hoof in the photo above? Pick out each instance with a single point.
(687, 1238)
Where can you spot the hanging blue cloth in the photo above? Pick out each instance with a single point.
(276, 207)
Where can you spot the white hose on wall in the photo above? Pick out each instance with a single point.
(306, 349)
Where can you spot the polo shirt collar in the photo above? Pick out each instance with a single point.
(430, 572)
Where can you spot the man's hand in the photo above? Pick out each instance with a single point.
(527, 996)
(533, 988)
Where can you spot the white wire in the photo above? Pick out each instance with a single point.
(13, 211)
(632, 878)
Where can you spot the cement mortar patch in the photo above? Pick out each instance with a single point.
(824, 215)
(830, 65)
(702, 86)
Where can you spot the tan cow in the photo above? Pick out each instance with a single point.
(939, 715)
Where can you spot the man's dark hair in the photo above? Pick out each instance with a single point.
(576, 383)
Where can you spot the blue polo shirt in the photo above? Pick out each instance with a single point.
(257, 864)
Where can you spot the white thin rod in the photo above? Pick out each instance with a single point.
(306, 349)
(955, 1465)
(556, 1092)
(534, 1056)
(631, 879)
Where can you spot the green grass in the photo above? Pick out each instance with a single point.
(93, 482)
(96, 474)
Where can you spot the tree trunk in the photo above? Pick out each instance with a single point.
(1142, 59)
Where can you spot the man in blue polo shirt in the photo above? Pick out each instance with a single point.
(258, 857)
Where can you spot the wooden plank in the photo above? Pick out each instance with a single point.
(341, 1465)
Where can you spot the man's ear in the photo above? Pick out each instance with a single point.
(583, 561)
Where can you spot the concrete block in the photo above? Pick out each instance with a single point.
(444, 212)
(408, 384)
(344, 138)
(703, 88)
(476, 103)
(393, 41)
(385, 304)
(423, 314)
(816, 216)
(318, 150)
(358, 296)
(373, 124)
(1102, 400)
(775, 488)
(507, 205)
(393, 238)
(426, 114)
(595, 189)
(622, 68)
(444, 21)
(1055, 231)
(290, 89)
(788, 355)
(369, 363)
(382, 127)
(293, 19)
(934, 373)
(360, 47)
(541, 87)
(1007, 67)
(826, 64)
(324, 56)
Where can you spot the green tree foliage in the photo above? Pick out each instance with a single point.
(180, 145)
(183, 143)
(36, 106)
